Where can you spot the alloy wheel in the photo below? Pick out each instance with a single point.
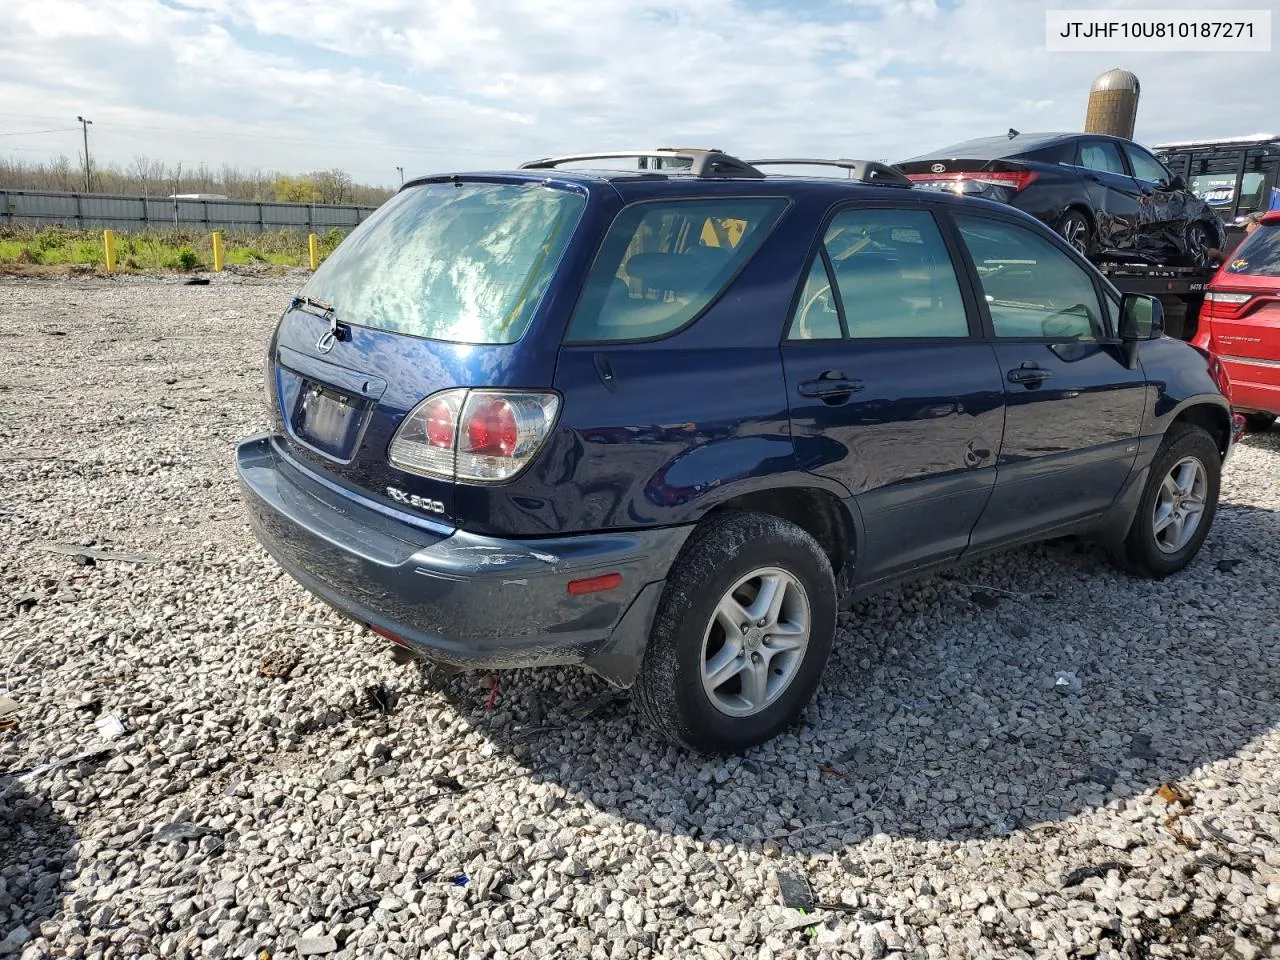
(1076, 232)
(755, 642)
(1179, 505)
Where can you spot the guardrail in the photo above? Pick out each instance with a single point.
(126, 213)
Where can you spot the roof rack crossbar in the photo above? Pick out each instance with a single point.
(864, 171)
(703, 163)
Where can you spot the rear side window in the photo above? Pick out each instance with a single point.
(893, 275)
(662, 263)
(1259, 255)
(1032, 289)
(467, 262)
(1101, 155)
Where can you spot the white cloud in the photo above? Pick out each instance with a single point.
(448, 84)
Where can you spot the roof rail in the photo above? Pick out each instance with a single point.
(864, 171)
(702, 162)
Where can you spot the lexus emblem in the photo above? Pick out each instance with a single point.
(939, 168)
(326, 341)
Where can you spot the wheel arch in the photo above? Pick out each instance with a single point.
(818, 511)
(1209, 415)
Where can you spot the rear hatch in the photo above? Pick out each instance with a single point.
(443, 288)
(1243, 304)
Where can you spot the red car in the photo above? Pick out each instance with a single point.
(1240, 322)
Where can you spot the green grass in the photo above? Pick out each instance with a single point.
(157, 250)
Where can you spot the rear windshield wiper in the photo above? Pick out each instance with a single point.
(312, 305)
(318, 308)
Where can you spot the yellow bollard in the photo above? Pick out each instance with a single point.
(109, 249)
(217, 250)
(313, 248)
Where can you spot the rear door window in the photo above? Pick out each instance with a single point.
(894, 279)
(1033, 290)
(663, 262)
(459, 261)
(1101, 155)
(1259, 254)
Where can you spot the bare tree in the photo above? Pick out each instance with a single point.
(60, 170)
(142, 168)
(144, 175)
(334, 186)
(232, 181)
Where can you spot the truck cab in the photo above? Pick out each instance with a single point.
(1234, 176)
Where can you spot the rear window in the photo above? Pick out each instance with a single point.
(467, 262)
(1259, 255)
(662, 263)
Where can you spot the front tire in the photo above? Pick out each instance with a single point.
(741, 636)
(1177, 507)
(1200, 238)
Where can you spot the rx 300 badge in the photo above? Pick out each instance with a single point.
(412, 500)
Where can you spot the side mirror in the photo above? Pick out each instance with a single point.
(1176, 182)
(1141, 318)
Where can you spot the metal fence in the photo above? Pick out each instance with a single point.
(113, 212)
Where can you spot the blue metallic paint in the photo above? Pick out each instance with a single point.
(465, 599)
(683, 425)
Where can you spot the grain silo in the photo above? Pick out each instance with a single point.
(1113, 104)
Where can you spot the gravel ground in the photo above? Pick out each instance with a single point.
(1033, 757)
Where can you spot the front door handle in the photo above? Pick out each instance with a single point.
(832, 385)
(1028, 375)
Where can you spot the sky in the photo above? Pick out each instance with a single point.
(445, 85)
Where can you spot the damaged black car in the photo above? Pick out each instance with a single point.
(1108, 197)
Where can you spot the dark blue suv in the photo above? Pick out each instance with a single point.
(656, 421)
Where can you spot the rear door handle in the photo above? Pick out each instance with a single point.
(830, 386)
(1028, 375)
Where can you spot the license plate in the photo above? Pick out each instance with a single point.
(327, 419)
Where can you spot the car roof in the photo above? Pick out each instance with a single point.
(996, 148)
(633, 185)
(636, 185)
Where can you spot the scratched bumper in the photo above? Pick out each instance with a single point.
(456, 597)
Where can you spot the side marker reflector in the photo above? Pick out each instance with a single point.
(609, 581)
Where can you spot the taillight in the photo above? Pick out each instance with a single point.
(439, 415)
(1014, 179)
(476, 435)
(491, 428)
(1234, 299)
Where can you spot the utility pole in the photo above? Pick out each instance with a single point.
(84, 125)
(401, 169)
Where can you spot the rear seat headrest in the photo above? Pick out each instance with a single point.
(682, 273)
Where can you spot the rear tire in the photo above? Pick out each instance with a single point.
(1177, 506)
(705, 683)
(1258, 422)
(1075, 228)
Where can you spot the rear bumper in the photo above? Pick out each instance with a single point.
(1255, 384)
(456, 597)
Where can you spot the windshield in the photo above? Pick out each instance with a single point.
(467, 262)
(1259, 255)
